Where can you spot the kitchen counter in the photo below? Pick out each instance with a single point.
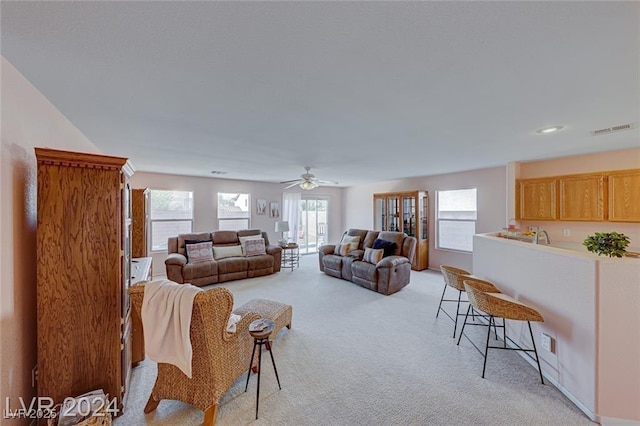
(591, 307)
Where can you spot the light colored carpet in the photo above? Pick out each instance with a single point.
(355, 357)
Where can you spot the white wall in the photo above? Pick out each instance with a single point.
(205, 204)
(491, 185)
(28, 120)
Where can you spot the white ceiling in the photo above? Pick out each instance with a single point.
(360, 91)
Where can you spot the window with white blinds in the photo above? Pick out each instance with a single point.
(456, 216)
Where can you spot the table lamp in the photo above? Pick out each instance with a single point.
(282, 227)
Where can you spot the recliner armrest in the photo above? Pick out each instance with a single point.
(391, 261)
(272, 249)
(327, 249)
(175, 259)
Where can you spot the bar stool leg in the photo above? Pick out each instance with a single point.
(455, 326)
(440, 305)
(486, 348)
(464, 323)
(535, 351)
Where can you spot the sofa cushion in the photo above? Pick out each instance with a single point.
(225, 238)
(194, 271)
(260, 262)
(364, 270)
(199, 252)
(369, 239)
(231, 265)
(373, 255)
(223, 252)
(388, 246)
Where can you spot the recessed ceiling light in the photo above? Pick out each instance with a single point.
(551, 129)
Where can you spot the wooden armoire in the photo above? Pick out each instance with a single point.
(83, 274)
(140, 222)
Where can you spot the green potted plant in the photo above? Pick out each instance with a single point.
(610, 244)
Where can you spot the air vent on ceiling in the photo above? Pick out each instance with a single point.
(218, 172)
(613, 129)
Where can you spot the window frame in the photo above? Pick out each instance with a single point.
(228, 219)
(152, 221)
(439, 220)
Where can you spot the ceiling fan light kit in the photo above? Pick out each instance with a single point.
(308, 185)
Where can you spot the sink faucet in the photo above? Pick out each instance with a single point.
(546, 236)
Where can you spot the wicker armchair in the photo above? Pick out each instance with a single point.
(453, 277)
(499, 305)
(219, 357)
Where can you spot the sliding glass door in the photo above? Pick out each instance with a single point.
(313, 230)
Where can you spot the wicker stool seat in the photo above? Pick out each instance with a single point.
(453, 277)
(502, 306)
(277, 312)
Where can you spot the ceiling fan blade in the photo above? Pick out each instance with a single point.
(292, 181)
(326, 182)
(292, 185)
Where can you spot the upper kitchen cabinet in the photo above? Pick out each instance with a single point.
(624, 196)
(582, 197)
(536, 199)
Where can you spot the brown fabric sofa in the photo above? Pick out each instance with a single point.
(388, 276)
(221, 270)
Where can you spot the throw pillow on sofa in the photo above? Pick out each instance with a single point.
(254, 247)
(199, 252)
(354, 242)
(342, 249)
(373, 255)
(192, 242)
(222, 252)
(388, 246)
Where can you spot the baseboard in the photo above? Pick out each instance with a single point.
(592, 416)
(614, 421)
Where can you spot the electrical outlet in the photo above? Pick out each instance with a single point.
(566, 232)
(546, 342)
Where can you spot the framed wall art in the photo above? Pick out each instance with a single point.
(261, 206)
(274, 209)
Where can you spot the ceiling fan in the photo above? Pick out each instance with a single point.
(308, 181)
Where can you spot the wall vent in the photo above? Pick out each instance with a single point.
(613, 129)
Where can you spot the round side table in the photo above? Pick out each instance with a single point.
(260, 338)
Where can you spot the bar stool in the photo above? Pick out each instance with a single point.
(502, 306)
(453, 277)
(261, 337)
(487, 287)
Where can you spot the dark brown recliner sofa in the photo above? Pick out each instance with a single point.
(388, 276)
(221, 270)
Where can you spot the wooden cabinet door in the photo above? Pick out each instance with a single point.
(624, 196)
(536, 199)
(582, 197)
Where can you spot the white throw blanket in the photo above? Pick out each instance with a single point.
(166, 321)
